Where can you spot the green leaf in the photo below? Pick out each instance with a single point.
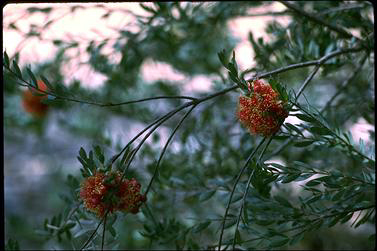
(281, 137)
(320, 130)
(314, 198)
(98, 152)
(33, 79)
(303, 143)
(206, 195)
(279, 243)
(264, 222)
(290, 178)
(111, 230)
(201, 226)
(6, 59)
(69, 225)
(233, 77)
(222, 58)
(234, 63)
(12, 245)
(293, 128)
(238, 237)
(82, 153)
(17, 69)
(306, 118)
(347, 218)
(312, 183)
(364, 219)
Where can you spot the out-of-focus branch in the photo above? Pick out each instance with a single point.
(341, 8)
(316, 19)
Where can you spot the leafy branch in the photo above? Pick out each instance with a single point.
(344, 85)
(324, 129)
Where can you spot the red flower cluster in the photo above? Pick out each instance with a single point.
(262, 113)
(102, 192)
(32, 103)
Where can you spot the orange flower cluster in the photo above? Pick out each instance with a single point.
(262, 113)
(32, 103)
(102, 192)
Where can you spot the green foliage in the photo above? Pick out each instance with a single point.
(310, 181)
(12, 245)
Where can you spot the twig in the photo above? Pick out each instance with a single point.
(234, 188)
(166, 117)
(280, 13)
(345, 84)
(247, 190)
(350, 146)
(95, 231)
(302, 88)
(27, 84)
(103, 232)
(165, 147)
(308, 63)
(341, 8)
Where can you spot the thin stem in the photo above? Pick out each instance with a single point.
(166, 117)
(162, 118)
(280, 13)
(247, 190)
(345, 83)
(307, 80)
(341, 8)
(350, 146)
(103, 232)
(234, 188)
(343, 86)
(153, 219)
(314, 220)
(302, 88)
(308, 63)
(27, 84)
(165, 147)
(95, 231)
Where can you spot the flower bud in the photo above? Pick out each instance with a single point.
(263, 113)
(107, 192)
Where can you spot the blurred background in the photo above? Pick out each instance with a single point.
(116, 52)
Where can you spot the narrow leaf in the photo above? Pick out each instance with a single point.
(206, 195)
(303, 143)
(201, 226)
(17, 69)
(306, 118)
(33, 79)
(6, 59)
